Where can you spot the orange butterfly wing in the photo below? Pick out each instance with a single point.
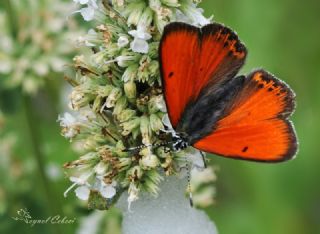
(191, 57)
(256, 126)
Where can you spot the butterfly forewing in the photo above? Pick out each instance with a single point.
(191, 58)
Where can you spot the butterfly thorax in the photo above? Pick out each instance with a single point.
(180, 141)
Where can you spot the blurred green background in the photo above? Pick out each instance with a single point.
(282, 37)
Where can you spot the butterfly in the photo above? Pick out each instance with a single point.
(215, 110)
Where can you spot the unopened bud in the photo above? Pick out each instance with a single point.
(130, 89)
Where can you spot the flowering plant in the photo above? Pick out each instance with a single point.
(120, 120)
(33, 42)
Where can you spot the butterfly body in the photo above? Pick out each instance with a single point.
(212, 109)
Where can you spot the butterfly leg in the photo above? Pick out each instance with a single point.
(204, 159)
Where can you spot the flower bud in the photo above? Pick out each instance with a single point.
(153, 68)
(155, 4)
(101, 168)
(97, 104)
(90, 144)
(152, 180)
(130, 73)
(146, 17)
(145, 130)
(134, 11)
(129, 126)
(121, 104)
(156, 123)
(125, 115)
(119, 3)
(105, 90)
(125, 60)
(113, 97)
(130, 89)
(124, 164)
(135, 173)
(120, 145)
(99, 57)
(156, 103)
(79, 98)
(122, 41)
(171, 3)
(149, 161)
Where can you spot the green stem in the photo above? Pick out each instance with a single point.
(39, 158)
(13, 22)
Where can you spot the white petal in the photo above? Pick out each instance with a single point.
(100, 168)
(82, 192)
(81, 1)
(139, 46)
(74, 179)
(142, 32)
(108, 191)
(122, 41)
(87, 13)
(94, 4)
(122, 59)
(67, 120)
(133, 33)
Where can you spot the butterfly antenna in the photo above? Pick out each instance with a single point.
(189, 183)
(203, 159)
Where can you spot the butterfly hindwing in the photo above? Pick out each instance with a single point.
(255, 125)
(191, 58)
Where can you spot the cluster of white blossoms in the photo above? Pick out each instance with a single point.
(117, 101)
(34, 42)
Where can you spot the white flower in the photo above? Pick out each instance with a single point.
(81, 180)
(82, 192)
(180, 17)
(122, 41)
(88, 2)
(87, 12)
(69, 124)
(100, 168)
(108, 190)
(67, 120)
(81, 1)
(122, 60)
(194, 14)
(88, 40)
(139, 43)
